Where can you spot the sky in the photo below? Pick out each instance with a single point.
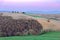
(43, 6)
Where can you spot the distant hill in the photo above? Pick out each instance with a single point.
(49, 16)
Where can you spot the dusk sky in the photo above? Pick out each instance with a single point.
(30, 5)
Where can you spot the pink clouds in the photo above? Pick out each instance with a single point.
(30, 5)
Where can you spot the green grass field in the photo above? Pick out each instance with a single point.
(46, 36)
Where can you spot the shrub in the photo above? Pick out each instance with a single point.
(17, 27)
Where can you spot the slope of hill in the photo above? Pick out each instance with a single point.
(52, 25)
(49, 16)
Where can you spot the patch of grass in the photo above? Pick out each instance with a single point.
(46, 36)
(34, 16)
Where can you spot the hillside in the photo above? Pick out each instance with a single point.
(53, 26)
(49, 16)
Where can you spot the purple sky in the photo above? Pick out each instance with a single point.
(33, 5)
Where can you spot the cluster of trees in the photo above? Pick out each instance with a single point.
(18, 12)
(12, 27)
(15, 12)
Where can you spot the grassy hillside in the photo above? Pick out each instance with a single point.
(47, 36)
(49, 16)
(36, 16)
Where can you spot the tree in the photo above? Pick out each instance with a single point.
(23, 12)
